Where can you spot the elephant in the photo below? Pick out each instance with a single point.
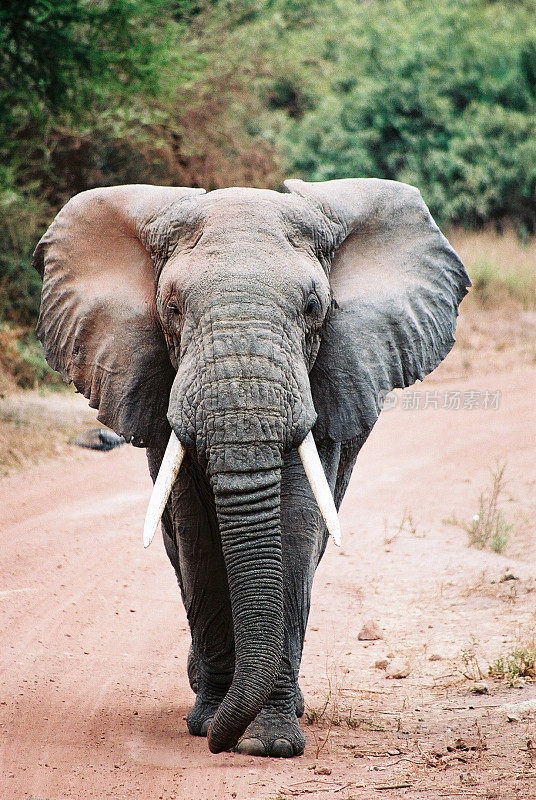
(246, 338)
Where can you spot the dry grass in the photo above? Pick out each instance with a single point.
(36, 426)
(333, 709)
(489, 528)
(497, 323)
(468, 664)
(500, 266)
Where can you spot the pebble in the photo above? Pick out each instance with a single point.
(480, 688)
(398, 669)
(370, 632)
(518, 711)
(381, 663)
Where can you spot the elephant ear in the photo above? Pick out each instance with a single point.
(97, 323)
(397, 284)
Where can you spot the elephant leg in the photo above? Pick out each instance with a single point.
(348, 455)
(276, 731)
(193, 545)
(191, 669)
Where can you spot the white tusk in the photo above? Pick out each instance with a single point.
(317, 478)
(169, 469)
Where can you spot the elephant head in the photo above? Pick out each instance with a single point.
(233, 323)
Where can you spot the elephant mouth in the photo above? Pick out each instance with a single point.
(171, 464)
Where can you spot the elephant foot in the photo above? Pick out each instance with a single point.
(200, 717)
(272, 734)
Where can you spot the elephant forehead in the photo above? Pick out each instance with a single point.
(243, 211)
(243, 219)
(232, 235)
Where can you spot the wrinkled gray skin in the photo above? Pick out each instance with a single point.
(241, 400)
(273, 314)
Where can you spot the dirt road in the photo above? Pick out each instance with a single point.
(94, 639)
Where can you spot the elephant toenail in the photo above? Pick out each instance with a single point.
(251, 747)
(205, 726)
(282, 748)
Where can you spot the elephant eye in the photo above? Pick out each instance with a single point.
(313, 309)
(173, 308)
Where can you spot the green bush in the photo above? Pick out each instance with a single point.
(22, 358)
(227, 92)
(438, 95)
(20, 286)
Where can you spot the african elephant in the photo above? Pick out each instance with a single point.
(232, 331)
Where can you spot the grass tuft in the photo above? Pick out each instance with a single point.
(489, 529)
(516, 665)
(469, 665)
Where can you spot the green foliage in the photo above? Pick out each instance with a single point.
(520, 663)
(438, 95)
(227, 92)
(20, 285)
(79, 81)
(59, 55)
(21, 357)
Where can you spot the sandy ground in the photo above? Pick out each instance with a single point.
(94, 640)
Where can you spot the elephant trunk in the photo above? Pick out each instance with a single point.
(248, 509)
(240, 401)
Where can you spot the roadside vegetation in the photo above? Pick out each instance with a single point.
(222, 92)
(489, 528)
(513, 667)
(517, 665)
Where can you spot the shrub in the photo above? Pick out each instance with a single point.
(489, 527)
(22, 358)
(520, 663)
(442, 96)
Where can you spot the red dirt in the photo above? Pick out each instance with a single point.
(94, 688)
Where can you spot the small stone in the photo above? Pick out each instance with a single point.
(457, 744)
(322, 771)
(398, 669)
(468, 779)
(518, 711)
(370, 632)
(381, 663)
(508, 576)
(480, 688)
(98, 439)
(435, 657)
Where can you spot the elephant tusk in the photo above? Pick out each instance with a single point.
(167, 474)
(317, 479)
